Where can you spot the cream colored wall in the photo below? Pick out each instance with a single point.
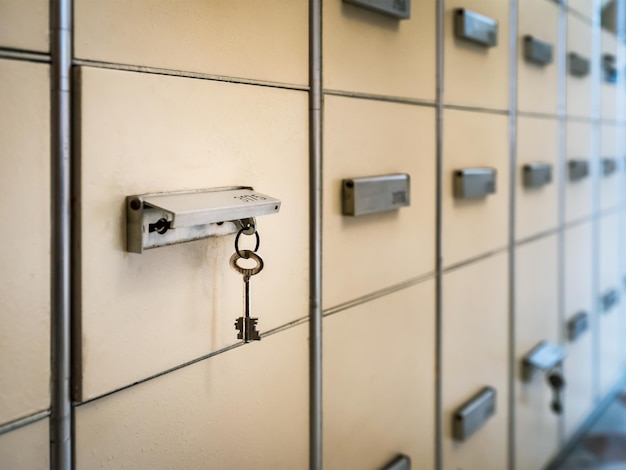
(172, 95)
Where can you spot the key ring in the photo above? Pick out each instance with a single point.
(246, 254)
(256, 248)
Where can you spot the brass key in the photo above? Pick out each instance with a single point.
(246, 325)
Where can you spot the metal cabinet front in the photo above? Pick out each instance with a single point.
(25, 25)
(578, 368)
(478, 225)
(373, 251)
(484, 69)
(474, 356)
(537, 83)
(25, 252)
(578, 189)
(611, 167)
(367, 52)
(220, 37)
(609, 299)
(536, 208)
(379, 385)
(185, 296)
(578, 83)
(536, 320)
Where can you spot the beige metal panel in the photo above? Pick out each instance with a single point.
(379, 381)
(578, 195)
(26, 448)
(367, 52)
(366, 253)
(610, 322)
(537, 85)
(578, 88)
(584, 7)
(474, 355)
(609, 248)
(536, 320)
(220, 37)
(474, 75)
(608, 91)
(477, 226)
(246, 408)
(536, 208)
(25, 25)
(148, 133)
(610, 184)
(25, 253)
(578, 366)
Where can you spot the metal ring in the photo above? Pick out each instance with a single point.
(246, 254)
(258, 241)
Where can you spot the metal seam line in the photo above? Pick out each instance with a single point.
(439, 44)
(537, 115)
(429, 104)
(375, 97)
(28, 56)
(378, 294)
(186, 74)
(581, 16)
(315, 235)
(23, 421)
(513, 14)
(536, 237)
(477, 109)
(273, 331)
(562, 166)
(61, 407)
(474, 259)
(162, 373)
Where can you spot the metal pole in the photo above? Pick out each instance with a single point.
(562, 169)
(513, 17)
(595, 197)
(315, 234)
(61, 410)
(439, 44)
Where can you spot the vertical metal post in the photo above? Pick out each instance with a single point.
(595, 173)
(61, 409)
(315, 234)
(439, 43)
(621, 104)
(513, 6)
(561, 63)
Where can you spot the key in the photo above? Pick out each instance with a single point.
(246, 325)
(556, 381)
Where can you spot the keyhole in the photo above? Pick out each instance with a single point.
(160, 226)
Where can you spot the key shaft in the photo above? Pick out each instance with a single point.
(246, 296)
(245, 324)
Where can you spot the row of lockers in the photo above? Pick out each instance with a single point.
(141, 315)
(363, 51)
(166, 146)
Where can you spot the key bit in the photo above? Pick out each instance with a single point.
(247, 329)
